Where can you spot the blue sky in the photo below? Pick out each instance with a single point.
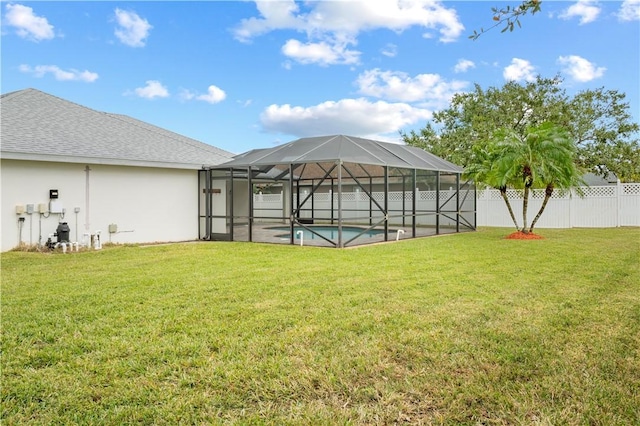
(242, 75)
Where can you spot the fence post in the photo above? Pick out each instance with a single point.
(618, 203)
(572, 197)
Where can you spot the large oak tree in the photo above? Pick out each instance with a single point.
(598, 121)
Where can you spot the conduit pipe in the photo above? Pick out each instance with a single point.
(400, 231)
(301, 235)
(87, 204)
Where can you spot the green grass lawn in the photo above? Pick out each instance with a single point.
(459, 329)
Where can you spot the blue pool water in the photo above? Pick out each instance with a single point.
(330, 232)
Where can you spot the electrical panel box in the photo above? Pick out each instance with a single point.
(113, 228)
(19, 209)
(53, 194)
(55, 206)
(29, 208)
(42, 208)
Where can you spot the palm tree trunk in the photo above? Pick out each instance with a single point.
(528, 181)
(525, 205)
(503, 193)
(547, 195)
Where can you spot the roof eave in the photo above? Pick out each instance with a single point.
(4, 155)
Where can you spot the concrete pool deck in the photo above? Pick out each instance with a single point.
(264, 233)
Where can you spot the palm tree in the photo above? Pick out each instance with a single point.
(562, 173)
(543, 158)
(481, 170)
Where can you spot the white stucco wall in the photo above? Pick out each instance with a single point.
(147, 204)
(219, 207)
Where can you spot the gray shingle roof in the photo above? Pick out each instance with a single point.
(39, 126)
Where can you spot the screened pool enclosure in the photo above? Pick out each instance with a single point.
(334, 191)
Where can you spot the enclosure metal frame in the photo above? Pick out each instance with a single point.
(234, 175)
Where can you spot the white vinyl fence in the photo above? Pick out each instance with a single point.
(357, 206)
(600, 207)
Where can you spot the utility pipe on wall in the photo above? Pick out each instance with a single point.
(87, 225)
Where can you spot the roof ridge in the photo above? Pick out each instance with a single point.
(271, 150)
(365, 149)
(329, 139)
(10, 94)
(408, 151)
(31, 89)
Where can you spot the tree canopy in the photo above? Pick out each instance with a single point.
(543, 158)
(598, 122)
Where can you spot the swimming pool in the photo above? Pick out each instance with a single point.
(329, 232)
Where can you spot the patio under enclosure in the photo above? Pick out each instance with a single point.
(334, 191)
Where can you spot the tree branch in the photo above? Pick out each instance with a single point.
(509, 17)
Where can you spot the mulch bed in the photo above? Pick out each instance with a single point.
(522, 236)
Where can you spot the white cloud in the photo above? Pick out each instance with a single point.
(580, 69)
(275, 15)
(213, 96)
(519, 70)
(428, 89)
(351, 17)
(357, 117)
(586, 10)
(153, 89)
(463, 65)
(390, 50)
(322, 53)
(132, 30)
(332, 26)
(186, 95)
(59, 74)
(629, 10)
(27, 24)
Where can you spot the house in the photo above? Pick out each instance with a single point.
(100, 173)
(591, 179)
